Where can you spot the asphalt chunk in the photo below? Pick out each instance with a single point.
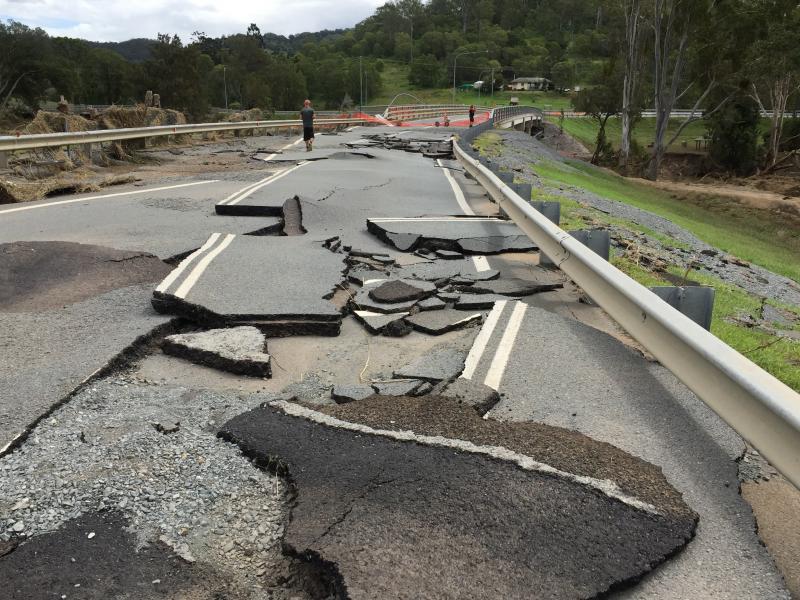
(443, 364)
(95, 557)
(510, 287)
(472, 393)
(388, 518)
(351, 392)
(437, 322)
(240, 350)
(466, 235)
(381, 322)
(401, 290)
(477, 301)
(38, 276)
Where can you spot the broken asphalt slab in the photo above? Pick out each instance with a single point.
(389, 324)
(437, 322)
(264, 281)
(443, 364)
(468, 235)
(471, 393)
(239, 350)
(401, 290)
(388, 514)
(510, 287)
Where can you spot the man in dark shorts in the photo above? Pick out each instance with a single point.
(307, 114)
(471, 114)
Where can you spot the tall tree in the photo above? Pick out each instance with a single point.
(774, 67)
(632, 13)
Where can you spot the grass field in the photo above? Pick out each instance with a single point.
(395, 81)
(778, 356)
(754, 235)
(584, 129)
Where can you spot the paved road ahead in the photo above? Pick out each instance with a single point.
(581, 506)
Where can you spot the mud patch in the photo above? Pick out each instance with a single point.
(38, 276)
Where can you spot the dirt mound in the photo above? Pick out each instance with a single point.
(254, 114)
(53, 122)
(116, 117)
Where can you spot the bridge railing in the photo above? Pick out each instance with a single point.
(762, 409)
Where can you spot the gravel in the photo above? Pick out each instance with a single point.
(188, 488)
(521, 152)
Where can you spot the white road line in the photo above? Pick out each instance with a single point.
(116, 195)
(479, 345)
(462, 201)
(247, 187)
(498, 366)
(289, 145)
(273, 179)
(437, 220)
(192, 278)
(481, 263)
(170, 279)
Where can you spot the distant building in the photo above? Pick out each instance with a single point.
(530, 83)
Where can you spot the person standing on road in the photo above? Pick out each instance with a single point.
(471, 114)
(307, 114)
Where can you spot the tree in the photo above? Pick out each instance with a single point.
(675, 24)
(426, 72)
(601, 101)
(632, 13)
(734, 135)
(25, 59)
(774, 66)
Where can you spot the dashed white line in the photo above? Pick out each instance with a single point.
(177, 271)
(479, 345)
(192, 278)
(462, 202)
(244, 193)
(289, 145)
(104, 196)
(498, 366)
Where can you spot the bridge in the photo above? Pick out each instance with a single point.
(375, 369)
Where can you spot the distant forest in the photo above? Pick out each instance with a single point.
(729, 58)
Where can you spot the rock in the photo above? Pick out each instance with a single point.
(351, 392)
(477, 301)
(438, 365)
(377, 323)
(239, 350)
(709, 252)
(401, 290)
(449, 255)
(441, 321)
(510, 287)
(431, 304)
(480, 397)
(18, 527)
(398, 388)
(167, 426)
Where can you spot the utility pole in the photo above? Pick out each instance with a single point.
(361, 85)
(225, 86)
(491, 83)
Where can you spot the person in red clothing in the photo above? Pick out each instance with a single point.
(471, 114)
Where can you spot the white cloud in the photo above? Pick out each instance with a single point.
(117, 20)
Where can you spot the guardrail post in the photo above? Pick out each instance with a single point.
(87, 150)
(4, 160)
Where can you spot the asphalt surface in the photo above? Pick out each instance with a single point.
(458, 507)
(381, 516)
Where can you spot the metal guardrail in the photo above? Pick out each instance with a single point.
(410, 112)
(13, 143)
(763, 410)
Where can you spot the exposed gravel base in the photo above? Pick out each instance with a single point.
(187, 489)
(521, 152)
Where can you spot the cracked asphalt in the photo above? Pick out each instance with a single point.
(596, 473)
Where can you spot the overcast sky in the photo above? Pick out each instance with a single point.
(118, 20)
